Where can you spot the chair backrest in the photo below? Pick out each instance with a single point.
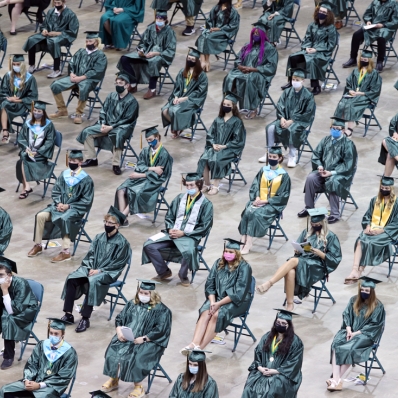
(311, 120)
(336, 48)
(69, 393)
(252, 291)
(204, 239)
(37, 289)
(298, 4)
(127, 268)
(379, 335)
(4, 49)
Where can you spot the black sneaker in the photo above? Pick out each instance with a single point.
(7, 363)
(188, 31)
(68, 318)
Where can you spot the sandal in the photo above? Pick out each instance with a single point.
(216, 189)
(251, 114)
(264, 289)
(25, 194)
(186, 350)
(350, 280)
(335, 386)
(206, 188)
(329, 382)
(6, 138)
(176, 134)
(348, 135)
(138, 392)
(111, 385)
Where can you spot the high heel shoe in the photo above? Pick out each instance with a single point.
(262, 289)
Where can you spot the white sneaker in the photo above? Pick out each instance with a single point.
(291, 162)
(263, 159)
(54, 74)
(31, 69)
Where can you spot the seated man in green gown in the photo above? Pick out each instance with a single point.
(131, 357)
(334, 163)
(5, 229)
(72, 196)
(108, 255)
(115, 124)
(49, 369)
(139, 193)
(60, 28)
(188, 220)
(17, 309)
(86, 69)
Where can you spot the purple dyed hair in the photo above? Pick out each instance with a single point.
(248, 47)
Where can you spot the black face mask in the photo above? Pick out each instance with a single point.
(364, 63)
(73, 166)
(321, 16)
(119, 89)
(280, 328)
(365, 296)
(384, 192)
(90, 47)
(273, 162)
(317, 228)
(190, 63)
(109, 228)
(227, 109)
(59, 8)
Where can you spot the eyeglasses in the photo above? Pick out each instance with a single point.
(109, 222)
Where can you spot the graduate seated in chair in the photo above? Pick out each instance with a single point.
(72, 196)
(362, 89)
(49, 369)
(189, 94)
(187, 221)
(36, 142)
(115, 125)
(221, 26)
(225, 141)
(195, 382)
(227, 292)
(130, 357)
(18, 309)
(103, 264)
(389, 148)
(316, 49)
(156, 49)
(363, 321)
(294, 110)
(381, 22)
(5, 229)
(139, 193)
(319, 255)
(334, 163)
(253, 72)
(278, 358)
(380, 229)
(119, 21)
(60, 28)
(86, 69)
(18, 89)
(269, 194)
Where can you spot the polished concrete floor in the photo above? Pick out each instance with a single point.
(229, 369)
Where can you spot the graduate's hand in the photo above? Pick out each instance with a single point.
(395, 136)
(105, 128)
(368, 23)
(318, 253)
(352, 92)
(261, 369)
(151, 54)
(214, 308)
(139, 340)
(158, 170)
(270, 372)
(176, 233)
(325, 173)
(368, 231)
(216, 147)
(288, 123)
(379, 26)
(93, 272)
(31, 385)
(283, 121)
(44, 32)
(378, 231)
(5, 285)
(119, 334)
(175, 101)
(141, 54)
(270, 18)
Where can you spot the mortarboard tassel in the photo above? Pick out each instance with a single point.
(67, 158)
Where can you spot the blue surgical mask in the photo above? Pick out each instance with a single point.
(191, 192)
(256, 39)
(160, 23)
(54, 340)
(153, 143)
(335, 133)
(193, 369)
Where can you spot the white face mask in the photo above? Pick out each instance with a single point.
(144, 299)
(296, 85)
(17, 69)
(194, 369)
(2, 280)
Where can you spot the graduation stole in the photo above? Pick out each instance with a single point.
(187, 81)
(361, 77)
(37, 135)
(17, 81)
(152, 158)
(381, 215)
(71, 181)
(54, 355)
(193, 217)
(270, 182)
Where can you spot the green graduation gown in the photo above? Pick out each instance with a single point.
(66, 23)
(251, 87)
(121, 114)
(392, 145)
(357, 349)
(163, 41)
(352, 108)
(80, 199)
(5, 230)
(385, 13)
(186, 245)
(123, 24)
(110, 255)
(183, 115)
(311, 268)
(275, 27)
(142, 193)
(255, 221)
(296, 106)
(283, 385)
(93, 66)
(210, 389)
(324, 40)
(217, 42)
(44, 144)
(24, 306)
(377, 248)
(27, 94)
(230, 133)
(62, 372)
(342, 157)
(137, 360)
(223, 282)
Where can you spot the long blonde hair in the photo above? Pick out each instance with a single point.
(322, 234)
(238, 258)
(155, 298)
(100, 46)
(23, 77)
(391, 198)
(359, 302)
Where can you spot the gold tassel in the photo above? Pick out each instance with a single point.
(67, 158)
(141, 140)
(32, 107)
(48, 328)
(9, 64)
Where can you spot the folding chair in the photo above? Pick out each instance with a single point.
(65, 57)
(228, 52)
(135, 36)
(306, 143)
(178, 7)
(38, 291)
(161, 200)
(31, 15)
(97, 1)
(319, 290)
(200, 249)
(68, 393)
(329, 67)
(263, 103)
(18, 125)
(290, 33)
(242, 326)
(273, 228)
(163, 76)
(157, 368)
(4, 50)
(368, 119)
(391, 263)
(47, 181)
(389, 49)
(368, 365)
(93, 98)
(351, 12)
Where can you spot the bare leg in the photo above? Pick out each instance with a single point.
(166, 115)
(207, 61)
(356, 269)
(214, 190)
(335, 368)
(290, 279)
(351, 125)
(201, 327)
(210, 332)
(25, 184)
(16, 12)
(203, 61)
(4, 119)
(389, 166)
(122, 199)
(248, 245)
(206, 175)
(107, 26)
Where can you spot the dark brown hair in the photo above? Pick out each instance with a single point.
(235, 110)
(198, 183)
(360, 302)
(285, 344)
(329, 18)
(3, 267)
(42, 121)
(200, 380)
(197, 69)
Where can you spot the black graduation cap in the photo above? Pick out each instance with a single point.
(2, 189)
(194, 52)
(120, 217)
(284, 314)
(99, 394)
(338, 121)
(92, 34)
(198, 355)
(147, 284)
(232, 244)
(41, 105)
(387, 181)
(369, 282)
(11, 265)
(58, 324)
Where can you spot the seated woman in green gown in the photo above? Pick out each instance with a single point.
(221, 26)
(225, 141)
(189, 94)
(18, 89)
(320, 255)
(195, 382)
(36, 142)
(253, 71)
(380, 229)
(269, 194)
(227, 291)
(362, 89)
(389, 148)
(363, 323)
(276, 369)
(149, 320)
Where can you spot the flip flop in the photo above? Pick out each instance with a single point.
(25, 194)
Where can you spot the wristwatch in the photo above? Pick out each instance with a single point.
(145, 339)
